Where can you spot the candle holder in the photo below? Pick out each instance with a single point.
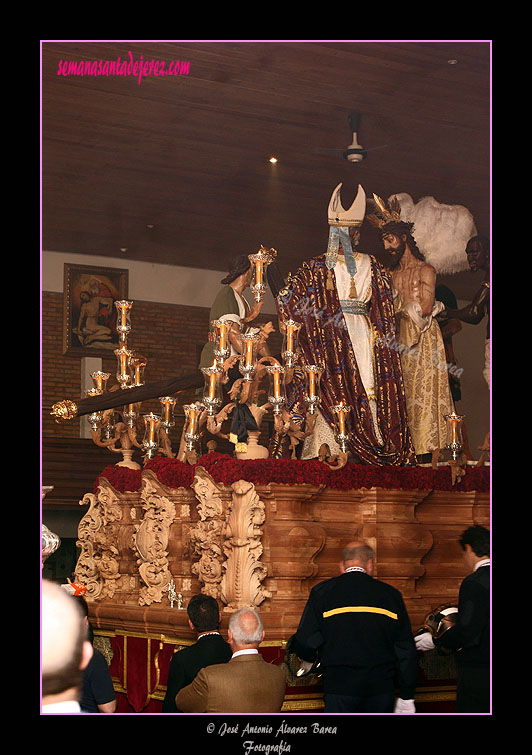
(212, 391)
(137, 364)
(222, 348)
(454, 425)
(277, 394)
(123, 324)
(150, 443)
(248, 360)
(100, 380)
(130, 414)
(123, 374)
(167, 406)
(95, 419)
(342, 436)
(109, 426)
(313, 375)
(261, 260)
(290, 330)
(192, 415)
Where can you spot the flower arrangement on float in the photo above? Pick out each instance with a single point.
(225, 470)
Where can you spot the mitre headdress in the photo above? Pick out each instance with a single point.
(339, 221)
(354, 216)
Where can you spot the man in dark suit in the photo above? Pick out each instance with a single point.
(247, 684)
(469, 637)
(204, 618)
(360, 628)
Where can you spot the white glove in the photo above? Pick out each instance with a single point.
(424, 641)
(404, 706)
(304, 667)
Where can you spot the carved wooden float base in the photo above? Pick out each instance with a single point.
(255, 545)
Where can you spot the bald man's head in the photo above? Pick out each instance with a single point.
(245, 628)
(64, 640)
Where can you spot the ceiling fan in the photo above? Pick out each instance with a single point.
(354, 152)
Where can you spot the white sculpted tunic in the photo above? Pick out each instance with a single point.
(361, 336)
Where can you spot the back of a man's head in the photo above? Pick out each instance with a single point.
(246, 627)
(64, 633)
(357, 552)
(478, 538)
(204, 613)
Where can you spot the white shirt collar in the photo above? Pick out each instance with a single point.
(250, 651)
(355, 568)
(484, 562)
(68, 706)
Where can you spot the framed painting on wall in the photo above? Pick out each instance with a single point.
(89, 312)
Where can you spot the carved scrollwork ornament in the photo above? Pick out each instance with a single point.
(98, 563)
(151, 542)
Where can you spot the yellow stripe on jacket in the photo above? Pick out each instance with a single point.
(359, 609)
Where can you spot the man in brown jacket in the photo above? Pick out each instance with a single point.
(245, 684)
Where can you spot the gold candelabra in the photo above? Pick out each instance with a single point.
(116, 429)
(246, 389)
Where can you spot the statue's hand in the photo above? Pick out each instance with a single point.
(267, 329)
(255, 311)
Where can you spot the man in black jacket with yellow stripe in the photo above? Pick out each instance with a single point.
(360, 628)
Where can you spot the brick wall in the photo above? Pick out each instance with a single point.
(60, 375)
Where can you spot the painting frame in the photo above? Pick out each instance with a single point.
(89, 314)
